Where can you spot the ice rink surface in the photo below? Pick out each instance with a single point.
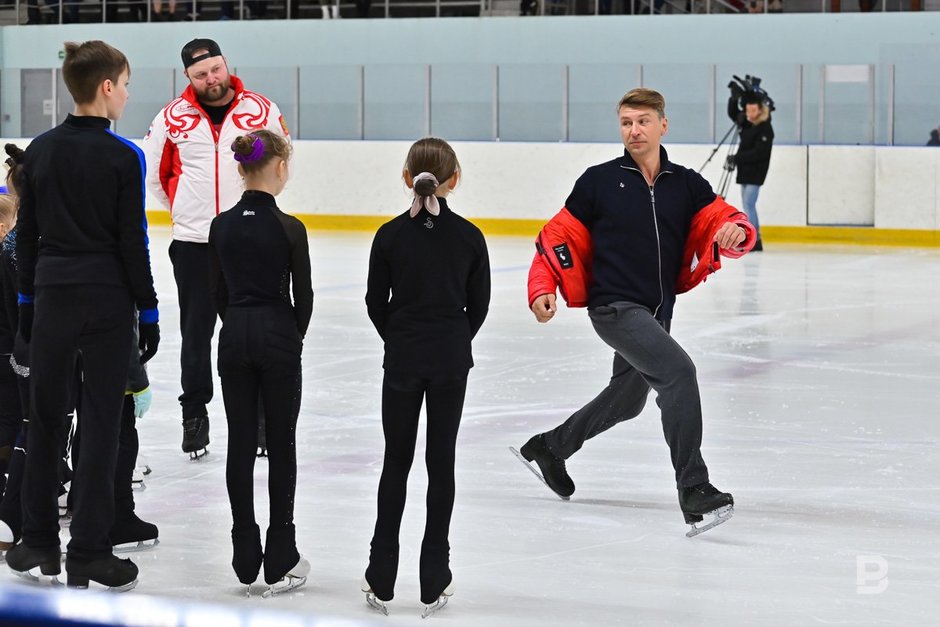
(819, 369)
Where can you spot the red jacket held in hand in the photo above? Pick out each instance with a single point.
(563, 253)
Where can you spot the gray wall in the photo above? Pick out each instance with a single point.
(531, 79)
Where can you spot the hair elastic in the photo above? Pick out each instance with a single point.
(428, 202)
(257, 151)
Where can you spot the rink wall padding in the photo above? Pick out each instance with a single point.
(817, 194)
(840, 194)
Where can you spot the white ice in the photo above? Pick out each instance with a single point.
(819, 369)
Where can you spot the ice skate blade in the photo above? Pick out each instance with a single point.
(434, 607)
(140, 545)
(35, 576)
(138, 486)
(535, 472)
(195, 456)
(286, 584)
(375, 603)
(722, 514)
(88, 584)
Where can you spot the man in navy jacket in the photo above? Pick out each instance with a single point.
(638, 210)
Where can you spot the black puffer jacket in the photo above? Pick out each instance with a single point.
(753, 156)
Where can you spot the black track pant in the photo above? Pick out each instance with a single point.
(646, 357)
(11, 506)
(402, 396)
(11, 416)
(96, 320)
(259, 358)
(128, 445)
(197, 324)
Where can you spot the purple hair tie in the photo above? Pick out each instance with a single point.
(257, 151)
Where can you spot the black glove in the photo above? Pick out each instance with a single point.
(736, 90)
(731, 161)
(26, 321)
(149, 334)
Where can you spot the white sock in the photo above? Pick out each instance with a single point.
(326, 11)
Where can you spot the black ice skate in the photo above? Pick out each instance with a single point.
(247, 554)
(196, 436)
(114, 574)
(141, 470)
(553, 472)
(703, 500)
(373, 601)
(133, 534)
(294, 578)
(430, 608)
(36, 565)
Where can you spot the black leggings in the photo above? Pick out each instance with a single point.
(402, 396)
(259, 358)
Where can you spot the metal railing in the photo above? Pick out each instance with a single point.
(66, 11)
(815, 103)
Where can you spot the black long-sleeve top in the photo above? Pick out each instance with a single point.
(437, 270)
(81, 218)
(258, 255)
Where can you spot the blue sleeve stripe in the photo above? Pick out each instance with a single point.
(149, 316)
(143, 182)
(25, 298)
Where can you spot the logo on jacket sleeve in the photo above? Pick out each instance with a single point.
(563, 255)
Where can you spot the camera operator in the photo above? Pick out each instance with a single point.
(749, 109)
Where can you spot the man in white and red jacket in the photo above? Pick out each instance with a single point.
(634, 232)
(192, 172)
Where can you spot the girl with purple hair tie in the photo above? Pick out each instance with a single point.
(255, 252)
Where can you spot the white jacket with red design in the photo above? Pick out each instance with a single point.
(190, 167)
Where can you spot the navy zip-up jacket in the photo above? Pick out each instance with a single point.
(638, 231)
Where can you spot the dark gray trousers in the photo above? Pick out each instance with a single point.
(646, 357)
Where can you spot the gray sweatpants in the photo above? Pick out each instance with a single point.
(646, 357)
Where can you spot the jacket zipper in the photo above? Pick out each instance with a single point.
(659, 248)
(216, 134)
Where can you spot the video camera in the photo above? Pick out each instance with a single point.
(741, 88)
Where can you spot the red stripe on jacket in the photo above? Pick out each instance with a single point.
(170, 170)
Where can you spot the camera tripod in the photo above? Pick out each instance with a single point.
(727, 167)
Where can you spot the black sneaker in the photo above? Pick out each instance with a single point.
(195, 434)
(702, 499)
(22, 559)
(552, 467)
(111, 572)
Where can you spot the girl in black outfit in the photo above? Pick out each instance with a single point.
(435, 265)
(257, 257)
